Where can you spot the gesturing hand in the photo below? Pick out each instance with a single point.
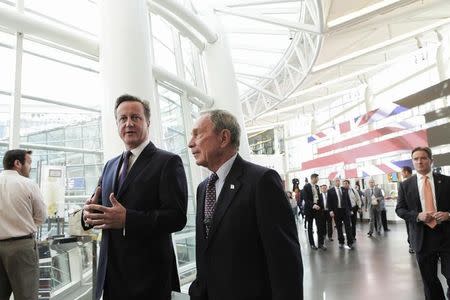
(107, 217)
(92, 200)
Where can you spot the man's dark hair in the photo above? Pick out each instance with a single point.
(426, 149)
(221, 120)
(346, 180)
(126, 97)
(12, 155)
(407, 169)
(314, 175)
(324, 185)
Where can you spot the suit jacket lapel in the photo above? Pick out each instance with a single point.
(140, 164)
(437, 185)
(116, 167)
(227, 194)
(415, 192)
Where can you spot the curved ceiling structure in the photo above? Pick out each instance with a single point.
(360, 38)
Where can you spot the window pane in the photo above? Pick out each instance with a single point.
(69, 79)
(4, 117)
(7, 59)
(55, 125)
(163, 48)
(81, 14)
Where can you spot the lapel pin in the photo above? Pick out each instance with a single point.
(232, 186)
(439, 181)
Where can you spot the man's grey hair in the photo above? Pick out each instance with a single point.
(223, 119)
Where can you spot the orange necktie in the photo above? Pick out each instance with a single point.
(429, 203)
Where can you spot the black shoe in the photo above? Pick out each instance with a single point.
(351, 247)
(330, 239)
(322, 247)
(313, 247)
(411, 251)
(369, 234)
(387, 229)
(341, 246)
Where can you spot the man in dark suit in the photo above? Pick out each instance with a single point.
(423, 201)
(140, 201)
(314, 210)
(406, 173)
(328, 220)
(246, 239)
(340, 208)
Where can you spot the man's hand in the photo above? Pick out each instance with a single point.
(441, 216)
(108, 217)
(425, 216)
(92, 200)
(316, 207)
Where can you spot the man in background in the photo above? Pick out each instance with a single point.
(355, 201)
(406, 173)
(340, 208)
(314, 210)
(374, 201)
(423, 201)
(328, 220)
(21, 210)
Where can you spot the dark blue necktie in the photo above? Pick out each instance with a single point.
(125, 163)
(210, 201)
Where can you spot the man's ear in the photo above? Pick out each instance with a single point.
(17, 164)
(225, 137)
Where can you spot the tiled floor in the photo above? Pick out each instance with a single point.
(378, 268)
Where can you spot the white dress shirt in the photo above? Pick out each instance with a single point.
(315, 194)
(134, 156)
(324, 197)
(355, 199)
(420, 181)
(222, 173)
(338, 193)
(21, 205)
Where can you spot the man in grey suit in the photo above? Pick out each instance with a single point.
(374, 203)
(246, 238)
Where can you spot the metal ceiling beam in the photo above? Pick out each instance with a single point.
(308, 102)
(248, 47)
(255, 3)
(380, 46)
(259, 89)
(274, 21)
(257, 31)
(243, 74)
(177, 23)
(366, 13)
(348, 76)
(188, 17)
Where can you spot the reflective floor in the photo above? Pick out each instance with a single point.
(378, 268)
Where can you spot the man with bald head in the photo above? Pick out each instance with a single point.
(374, 202)
(246, 238)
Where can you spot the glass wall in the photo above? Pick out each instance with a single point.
(174, 140)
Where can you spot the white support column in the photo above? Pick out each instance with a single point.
(125, 65)
(221, 80)
(14, 131)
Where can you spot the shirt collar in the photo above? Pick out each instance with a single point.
(10, 172)
(429, 175)
(224, 169)
(138, 150)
